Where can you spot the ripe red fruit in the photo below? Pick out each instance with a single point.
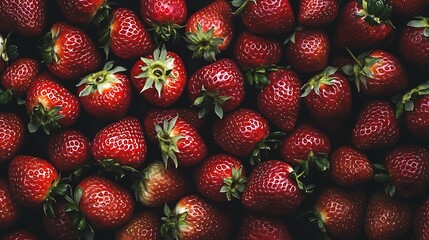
(60, 226)
(317, 13)
(83, 12)
(145, 225)
(414, 42)
(69, 52)
(9, 210)
(20, 235)
(11, 135)
(258, 227)
(218, 86)
(421, 220)
(408, 7)
(220, 177)
(160, 78)
(106, 94)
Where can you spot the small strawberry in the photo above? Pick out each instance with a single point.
(220, 177)
(317, 13)
(11, 135)
(421, 220)
(106, 94)
(165, 17)
(210, 30)
(50, 105)
(414, 42)
(8, 51)
(194, 218)
(270, 189)
(69, 52)
(218, 86)
(83, 12)
(350, 167)
(9, 210)
(258, 227)
(20, 235)
(125, 35)
(376, 126)
(160, 78)
(145, 225)
(408, 7)
(60, 226)
(386, 218)
(159, 185)
(280, 101)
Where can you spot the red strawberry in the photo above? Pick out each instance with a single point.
(421, 220)
(266, 16)
(159, 185)
(8, 51)
(218, 86)
(68, 150)
(350, 167)
(280, 101)
(165, 17)
(220, 177)
(376, 126)
(386, 218)
(83, 12)
(363, 24)
(50, 105)
(307, 50)
(60, 226)
(9, 210)
(126, 36)
(317, 13)
(408, 7)
(328, 98)
(257, 227)
(414, 42)
(106, 94)
(194, 218)
(11, 135)
(69, 52)
(145, 225)
(160, 78)
(271, 190)
(20, 235)
(210, 30)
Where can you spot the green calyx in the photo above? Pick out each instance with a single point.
(165, 32)
(420, 22)
(234, 185)
(79, 221)
(375, 11)
(319, 161)
(5, 96)
(323, 78)
(112, 166)
(361, 71)
(240, 5)
(208, 101)
(8, 51)
(173, 223)
(103, 35)
(382, 176)
(318, 219)
(157, 70)
(272, 140)
(102, 14)
(203, 44)
(406, 102)
(48, 46)
(47, 118)
(57, 189)
(167, 141)
(101, 80)
(259, 77)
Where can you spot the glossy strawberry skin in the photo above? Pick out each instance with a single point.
(145, 225)
(414, 46)
(421, 220)
(60, 226)
(376, 127)
(19, 74)
(417, 120)
(122, 141)
(111, 209)
(240, 132)
(280, 100)
(408, 7)
(158, 12)
(80, 12)
(9, 210)
(309, 52)
(317, 13)
(271, 190)
(20, 235)
(11, 135)
(258, 227)
(43, 177)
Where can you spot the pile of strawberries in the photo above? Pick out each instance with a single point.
(214, 120)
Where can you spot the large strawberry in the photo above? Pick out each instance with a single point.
(69, 52)
(20, 235)
(9, 210)
(414, 42)
(376, 126)
(106, 94)
(317, 13)
(8, 51)
(218, 86)
(11, 135)
(145, 225)
(60, 227)
(210, 30)
(421, 220)
(408, 7)
(194, 218)
(83, 12)
(50, 105)
(258, 227)
(160, 78)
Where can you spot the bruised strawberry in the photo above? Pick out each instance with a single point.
(421, 220)
(60, 226)
(9, 210)
(408, 7)
(258, 227)
(20, 235)
(11, 135)
(317, 13)
(145, 225)
(414, 42)
(83, 12)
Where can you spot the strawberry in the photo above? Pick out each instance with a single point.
(386, 218)
(20, 235)
(350, 167)
(69, 52)
(11, 135)
(210, 30)
(408, 7)
(165, 17)
(266, 16)
(307, 50)
(218, 86)
(258, 227)
(376, 126)
(145, 225)
(271, 190)
(317, 13)
(50, 105)
(125, 35)
(83, 12)
(8, 51)
(328, 98)
(379, 72)
(279, 101)
(421, 220)
(363, 24)
(194, 218)
(9, 210)
(159, 185)
(220, 177)
(160, 78)
(414, 42)
(68, 150)
(60, 226)
(106, 94)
